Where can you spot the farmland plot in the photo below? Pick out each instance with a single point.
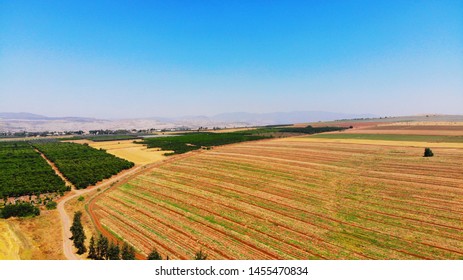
(286, 199)
(24, 172)
(81, 164)
(136, 153)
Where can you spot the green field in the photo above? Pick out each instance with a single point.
(394, 137)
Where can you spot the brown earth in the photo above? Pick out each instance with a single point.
(415, 129)
(285, 199)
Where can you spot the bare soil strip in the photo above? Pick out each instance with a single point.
(68, 183)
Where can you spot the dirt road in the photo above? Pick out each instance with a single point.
(68, 248)
(122, 177)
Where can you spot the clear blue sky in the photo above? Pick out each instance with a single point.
(119, 59)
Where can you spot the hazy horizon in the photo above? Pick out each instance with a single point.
(120, 60)
(186, 116)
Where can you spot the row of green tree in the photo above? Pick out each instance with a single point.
(78, 233)
(19, 209)
(102, 249)
(24, 172)
(192, 141)
(310, 129)
(83, 165)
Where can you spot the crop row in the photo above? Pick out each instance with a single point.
(294, 200)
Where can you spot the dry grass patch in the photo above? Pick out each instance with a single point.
(10, 243)
(41, 237)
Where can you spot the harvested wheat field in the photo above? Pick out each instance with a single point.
(294, 199)
(413, 128)
(378, 140)
(127, 149)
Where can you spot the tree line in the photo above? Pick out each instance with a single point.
(101, 248)
(180, 144)
(310, 129)
(78, 234)
(19, 209)
(193, 141)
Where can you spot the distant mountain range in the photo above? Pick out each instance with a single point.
(33, 122)
(287, 117)
(29, 116)
(15, 122)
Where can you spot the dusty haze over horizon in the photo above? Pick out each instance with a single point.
(141, 59)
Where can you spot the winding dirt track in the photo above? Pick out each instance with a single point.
(68, 248)
(124, 179)
(124, 176)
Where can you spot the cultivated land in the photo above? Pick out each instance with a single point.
(82, 165)
(24, 172)
(296, 198)
(412, 128)
(432, 139)
(136, 153)
(357, 194)
(28, 172)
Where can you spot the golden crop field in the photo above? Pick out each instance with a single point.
(294, 199)
(126, 149)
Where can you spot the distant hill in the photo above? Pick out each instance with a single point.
(32, 122)
(35, 117)
(22, 116)
(286, 117)
(236, 117)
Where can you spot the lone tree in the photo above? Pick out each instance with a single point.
(200, 255)
(102, 248)
(428, 152)
(113, 251)
(154, 255)
(128, 252)
(92, 249)
(78, 234)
